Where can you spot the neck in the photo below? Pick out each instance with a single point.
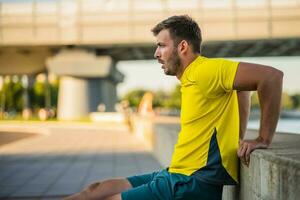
(185, 63)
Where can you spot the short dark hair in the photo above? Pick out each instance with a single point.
(181, 27)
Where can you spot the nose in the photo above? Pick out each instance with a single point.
(156, 53)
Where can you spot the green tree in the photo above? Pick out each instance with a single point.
(134, 97)
(13, 94)
(296, 101)
(254, 100)
(160, 97)
(174, 100)
(286, 101)
(38, 95)
(54, 93)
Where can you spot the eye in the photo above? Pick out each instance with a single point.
(161, 45)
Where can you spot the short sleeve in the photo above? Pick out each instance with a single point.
(216, 76)
(227, 73)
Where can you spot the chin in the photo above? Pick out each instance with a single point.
(169, 73)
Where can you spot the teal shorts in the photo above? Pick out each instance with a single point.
(163, 185)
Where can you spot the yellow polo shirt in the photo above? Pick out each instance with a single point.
(208, 140)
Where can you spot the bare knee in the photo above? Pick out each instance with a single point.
(94, 191)
(107, 188)
(93, 186)
(91, 192)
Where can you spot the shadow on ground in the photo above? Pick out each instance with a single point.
(10, 137)
(52, 176)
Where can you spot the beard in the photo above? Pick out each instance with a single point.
(173, 64)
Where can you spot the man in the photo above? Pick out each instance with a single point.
(214, 114)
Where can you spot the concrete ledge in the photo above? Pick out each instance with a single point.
(107, 117)
(273, 173)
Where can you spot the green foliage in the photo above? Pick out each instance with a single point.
(161, 98)
(12, 93)
(38, 94)
(174, 100)
(134, 97)
(295, 101)
(254, 100)
(286, 101)
(54, 93)
(38, 100)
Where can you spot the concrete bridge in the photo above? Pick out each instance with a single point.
(81, 41)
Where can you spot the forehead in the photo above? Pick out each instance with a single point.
(164, 36)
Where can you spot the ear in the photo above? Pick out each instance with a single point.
(183, 47)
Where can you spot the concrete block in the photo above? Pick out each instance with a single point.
(272, 174)
(230, 192)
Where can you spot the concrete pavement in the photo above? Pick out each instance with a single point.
(66, 157)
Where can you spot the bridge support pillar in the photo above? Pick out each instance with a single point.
(86, 81)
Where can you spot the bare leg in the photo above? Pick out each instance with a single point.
(102, 190)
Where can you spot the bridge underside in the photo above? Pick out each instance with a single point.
(243, 48)
(246, 48)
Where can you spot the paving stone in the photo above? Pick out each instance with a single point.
(69, 159)
(45, 177)
(9, 170)
(63, 189)
(17, 180)
(95, 178)
(7, 190)
(30, 190)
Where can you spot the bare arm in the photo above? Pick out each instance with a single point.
(244, 110)
(268, 83)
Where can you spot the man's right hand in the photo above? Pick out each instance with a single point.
(247, 146)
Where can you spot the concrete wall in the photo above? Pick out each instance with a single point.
(273, 173)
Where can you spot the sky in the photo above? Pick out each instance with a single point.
(146, 74)
(149, 75)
